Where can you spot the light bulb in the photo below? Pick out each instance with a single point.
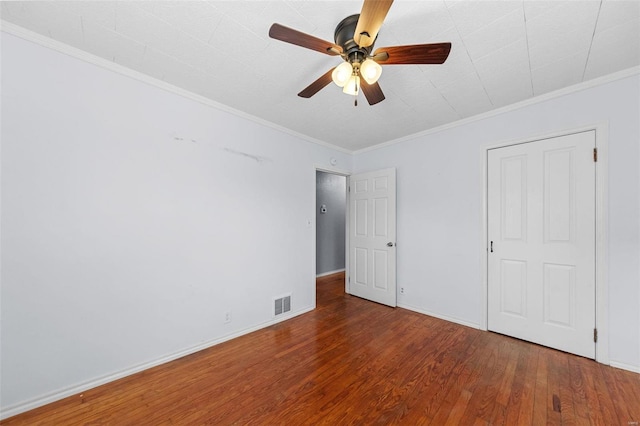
(370, 70)
(342, 73)
(353, 86)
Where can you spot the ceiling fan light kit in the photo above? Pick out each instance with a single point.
(342, 73)
(370, 70)
(353, 86)
(354, 39)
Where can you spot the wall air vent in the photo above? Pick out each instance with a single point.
(282, 305)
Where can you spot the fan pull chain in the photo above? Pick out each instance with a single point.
(355, 101)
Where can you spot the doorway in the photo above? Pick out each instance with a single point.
(359, 238)
(331, 213)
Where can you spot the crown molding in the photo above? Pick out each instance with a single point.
(76, 53)
(513, 107)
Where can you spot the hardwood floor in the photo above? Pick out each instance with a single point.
(351, 361)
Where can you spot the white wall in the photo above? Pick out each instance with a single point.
(440, 205)
(133, 219)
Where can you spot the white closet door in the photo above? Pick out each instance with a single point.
(541, 225)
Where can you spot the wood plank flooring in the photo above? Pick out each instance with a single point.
(354, 362)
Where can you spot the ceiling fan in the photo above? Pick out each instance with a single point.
(354, 38)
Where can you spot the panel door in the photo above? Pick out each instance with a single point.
(541, 232)
(372, 228)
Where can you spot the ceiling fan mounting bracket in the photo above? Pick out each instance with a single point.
(343, 37)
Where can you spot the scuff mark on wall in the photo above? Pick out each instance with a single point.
(259, 159)
(180, 138)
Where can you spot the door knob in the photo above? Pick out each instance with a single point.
(389, 244)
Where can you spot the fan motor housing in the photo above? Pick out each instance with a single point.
(343, 37)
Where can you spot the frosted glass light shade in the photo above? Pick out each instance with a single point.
(370, 70)
(352, 86)
(342, 73)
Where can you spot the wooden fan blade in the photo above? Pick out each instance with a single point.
(289, 35)
(315, 87)
(372, 92)
(370, 20)
(434, 53)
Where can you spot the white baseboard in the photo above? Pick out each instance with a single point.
(82, 387)
(324, 274)
(623, 366)
(620, 365)
(440, 316)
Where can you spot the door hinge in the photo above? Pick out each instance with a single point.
(595, 155)
(595, 335)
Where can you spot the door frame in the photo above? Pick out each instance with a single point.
(602, 221)
(346, 174)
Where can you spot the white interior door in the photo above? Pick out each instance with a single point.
(541, 225)
(372, 239)
(541, 232)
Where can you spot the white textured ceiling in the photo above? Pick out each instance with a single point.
(502, 52)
